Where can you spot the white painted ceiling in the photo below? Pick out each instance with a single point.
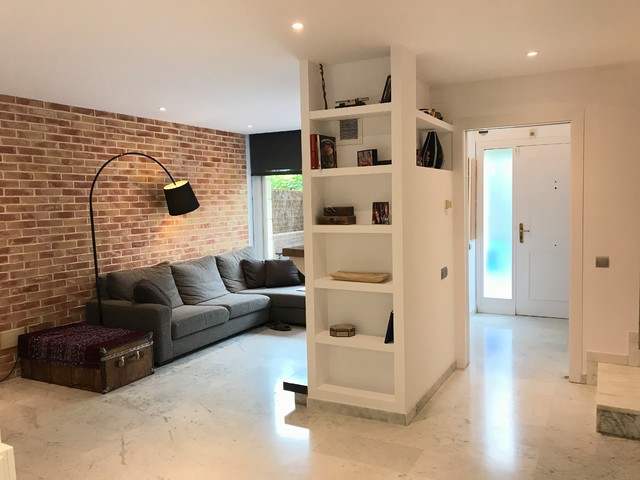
(230, 64)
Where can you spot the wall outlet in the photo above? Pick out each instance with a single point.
(602, 262)
(9, 338)
(444, 271)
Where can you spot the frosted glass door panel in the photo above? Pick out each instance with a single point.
(498, 222)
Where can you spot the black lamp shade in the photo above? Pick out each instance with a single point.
(180, 198)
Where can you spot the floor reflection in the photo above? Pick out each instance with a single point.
(284, 404)
(499, 426)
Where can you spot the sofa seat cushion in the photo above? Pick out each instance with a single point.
(188, 319)
(289, 297)
(198, 280)
(121, 284)
(239, 305)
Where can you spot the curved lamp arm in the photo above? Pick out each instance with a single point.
(180, 200)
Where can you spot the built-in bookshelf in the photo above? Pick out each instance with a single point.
(363, 372)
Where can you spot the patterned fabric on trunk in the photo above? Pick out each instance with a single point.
(75, 344)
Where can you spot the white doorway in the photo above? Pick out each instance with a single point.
(522, 221)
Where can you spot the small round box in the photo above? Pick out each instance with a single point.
(342, 330)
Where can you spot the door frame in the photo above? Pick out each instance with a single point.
(576, 224)
(506, 307)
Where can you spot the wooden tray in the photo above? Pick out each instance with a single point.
(360, 276)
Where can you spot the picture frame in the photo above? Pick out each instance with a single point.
(386, 92)
(380, 213)
(367, 158)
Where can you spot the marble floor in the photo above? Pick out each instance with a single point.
(221, 414)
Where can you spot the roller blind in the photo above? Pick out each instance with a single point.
(276, 153)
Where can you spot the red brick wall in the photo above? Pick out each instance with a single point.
(49, 154)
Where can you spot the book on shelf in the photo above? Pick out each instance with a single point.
(323, 151)
(328, 153)
(315, 147)
(336, 219)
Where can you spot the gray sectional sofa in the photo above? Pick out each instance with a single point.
(191, 304)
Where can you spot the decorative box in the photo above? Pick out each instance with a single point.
(342, 330)
(338, 211)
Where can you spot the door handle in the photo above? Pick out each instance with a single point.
(522, 230)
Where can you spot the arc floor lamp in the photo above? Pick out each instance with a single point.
(178, 195)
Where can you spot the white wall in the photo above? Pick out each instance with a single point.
(610, 100)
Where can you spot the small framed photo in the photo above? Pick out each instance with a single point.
(380, 214)
(366, 158)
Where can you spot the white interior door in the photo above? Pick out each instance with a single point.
(541, 193)
(523, 185)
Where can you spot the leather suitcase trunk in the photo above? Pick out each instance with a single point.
(105, 365)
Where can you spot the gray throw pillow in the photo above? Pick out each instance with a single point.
(198, 280)
(254, 272)
(280, 273)
(230, 269)
(121, 284)
(146, 292)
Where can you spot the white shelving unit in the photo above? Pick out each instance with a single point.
(362, 373)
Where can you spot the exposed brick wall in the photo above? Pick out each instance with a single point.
(49, 154)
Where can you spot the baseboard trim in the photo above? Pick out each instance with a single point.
(396, 418)
(431, 392)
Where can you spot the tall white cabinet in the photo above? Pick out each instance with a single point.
(362, 375)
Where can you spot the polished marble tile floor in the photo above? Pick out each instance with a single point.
(221, 414)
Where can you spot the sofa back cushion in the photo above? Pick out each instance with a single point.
(281, 273)
(146, 292)
(230, 269)
(254, 273)
(198, 280)
(121, 284)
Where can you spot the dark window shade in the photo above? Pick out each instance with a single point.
(278, 153)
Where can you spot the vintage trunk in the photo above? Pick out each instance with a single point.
(90, 357)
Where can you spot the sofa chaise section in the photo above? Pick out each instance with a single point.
(244, 274)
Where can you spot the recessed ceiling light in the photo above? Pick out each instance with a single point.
(249, 126)
(297, 26)
(532, 53)
(163, 109)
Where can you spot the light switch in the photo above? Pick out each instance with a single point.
(602, 262)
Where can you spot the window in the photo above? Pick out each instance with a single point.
(277, 213)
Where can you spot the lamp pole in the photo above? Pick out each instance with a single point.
(180, 200)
